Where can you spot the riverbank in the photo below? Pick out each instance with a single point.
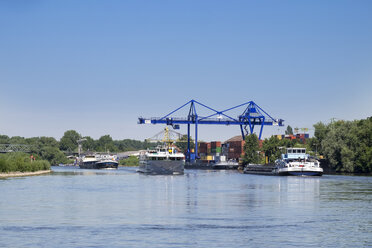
(22, 174)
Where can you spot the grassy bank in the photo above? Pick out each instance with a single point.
(130, 161)
(21, 162)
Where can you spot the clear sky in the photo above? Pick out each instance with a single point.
(96, 66)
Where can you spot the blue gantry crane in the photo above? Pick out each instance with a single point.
(253, 115)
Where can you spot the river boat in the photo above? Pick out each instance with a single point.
(164, 160)
(228, 165)
(296, 162)
(98, 161)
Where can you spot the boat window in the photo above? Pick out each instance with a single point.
(289, 150)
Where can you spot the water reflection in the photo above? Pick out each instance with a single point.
(73, 171)
(93, 208)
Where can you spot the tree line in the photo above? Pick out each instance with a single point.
(346, 146)
(54, 151)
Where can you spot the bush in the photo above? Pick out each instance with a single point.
(130, 161)
(12, 162)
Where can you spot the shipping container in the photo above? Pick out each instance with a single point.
(236, 144)
(192, 156)
(215, 144)
(203, 157)
(234, 155)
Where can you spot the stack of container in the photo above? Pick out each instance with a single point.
(290, 136)
(216, 147)
(203, 148)
(235, 149)
(302, 137)
(205, 151)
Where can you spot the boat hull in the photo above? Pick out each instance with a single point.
(299, 172)
(161, 167)
(99, 165)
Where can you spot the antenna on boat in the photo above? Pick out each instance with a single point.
(80, 145)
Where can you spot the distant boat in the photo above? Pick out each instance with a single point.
(296, 162)
(98, 161)
(230, 164)
(164, 160)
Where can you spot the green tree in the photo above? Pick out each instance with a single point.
(89, 144)
(4, 139)
(131, 145)
(48, 141)
(182, 143)
(17, 140)
(69, 141)
(53, 155)
(289, 130)
(251, 150)
(38, 143)
(271, 147)
(339, 146)
(105, 144)
(320, 133)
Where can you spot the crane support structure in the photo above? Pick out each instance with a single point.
(253, 115)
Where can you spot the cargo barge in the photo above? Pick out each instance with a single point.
(211, 165)
(295, 162)
(163, 160)
(259, 169)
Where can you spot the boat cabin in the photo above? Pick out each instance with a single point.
(295, 153)
(164, 153)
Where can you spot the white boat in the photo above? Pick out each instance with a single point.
(296, 162)
(230, 164)
(163, 160)
(98, 161)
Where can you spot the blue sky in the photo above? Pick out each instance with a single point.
(96, 66)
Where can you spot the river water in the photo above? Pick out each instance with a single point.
(72, 207)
